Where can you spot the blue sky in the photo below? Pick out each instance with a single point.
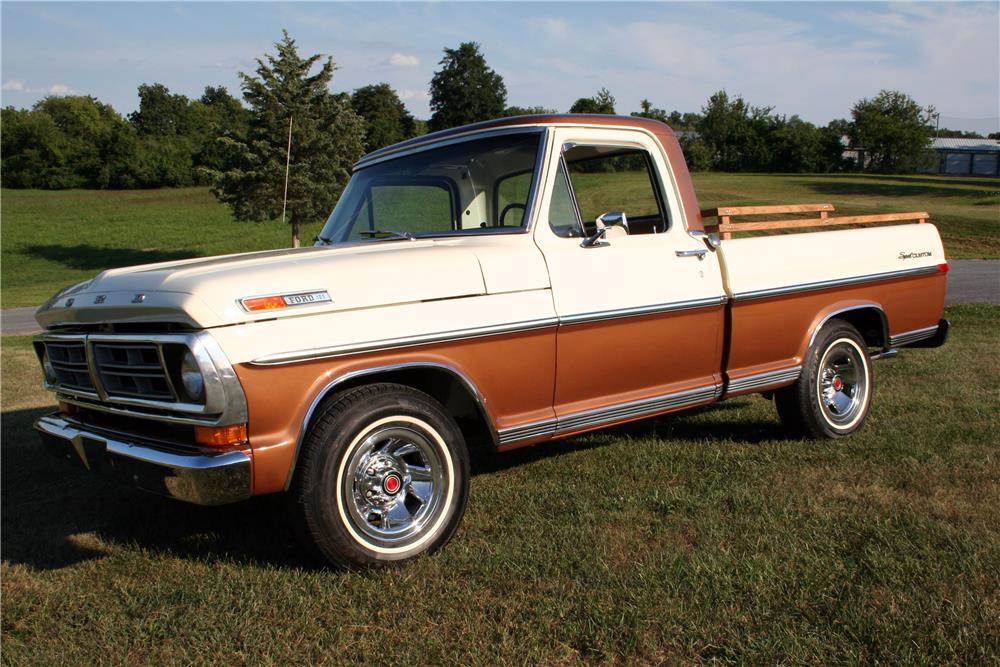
(811, 59)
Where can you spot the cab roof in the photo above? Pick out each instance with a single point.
(654, 126)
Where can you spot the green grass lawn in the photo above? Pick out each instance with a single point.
(54, 239)
(699, 537)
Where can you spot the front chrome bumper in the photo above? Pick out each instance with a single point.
(203, 479)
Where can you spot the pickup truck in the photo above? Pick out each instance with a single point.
(508, 283)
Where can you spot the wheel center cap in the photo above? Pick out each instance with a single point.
(391, 484)
(838, 384)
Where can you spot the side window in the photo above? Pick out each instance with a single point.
(612, 178)
(562, 210)
(512, 199)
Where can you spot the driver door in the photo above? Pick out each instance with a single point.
(641, 314)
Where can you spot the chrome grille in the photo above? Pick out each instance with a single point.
(137, 375)
(69, 361)
(132, 371)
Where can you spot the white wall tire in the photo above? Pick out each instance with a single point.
(382, 478)
(832, 397)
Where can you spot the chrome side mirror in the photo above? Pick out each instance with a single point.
(605, 222)
(613, 219)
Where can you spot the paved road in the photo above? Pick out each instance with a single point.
(969, 281)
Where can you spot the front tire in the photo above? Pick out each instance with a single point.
(832, 397)
(382, 477)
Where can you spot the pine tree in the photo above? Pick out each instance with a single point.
(326, 139)
(465, 89)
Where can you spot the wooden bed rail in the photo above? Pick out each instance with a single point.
(726, 226)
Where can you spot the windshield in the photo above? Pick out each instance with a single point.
(476, 186)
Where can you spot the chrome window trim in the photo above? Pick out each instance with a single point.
(378, 157)
(541, 157)
(826, 284)
(469, 385)
(907, 337)
(225, 402)
(611, 413)
(760, 381)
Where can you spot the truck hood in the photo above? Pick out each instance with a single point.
(204, 293)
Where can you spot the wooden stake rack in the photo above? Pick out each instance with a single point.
(726, 226)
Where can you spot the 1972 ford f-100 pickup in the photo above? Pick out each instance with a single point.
(511, 282)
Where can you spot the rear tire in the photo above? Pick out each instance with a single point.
(383, 477)
(832, 396)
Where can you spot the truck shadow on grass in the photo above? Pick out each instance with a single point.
(56, 514)
(86, 257)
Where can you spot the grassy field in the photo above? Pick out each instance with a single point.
(700, 537)
(53, 239)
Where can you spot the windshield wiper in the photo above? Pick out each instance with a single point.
(389, 233)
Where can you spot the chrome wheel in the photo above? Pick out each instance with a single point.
(842, 383)
(394, 484)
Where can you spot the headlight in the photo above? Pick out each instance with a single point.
(50, 372)
(191, 378)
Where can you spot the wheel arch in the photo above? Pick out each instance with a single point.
(868, 318)
(458, 394)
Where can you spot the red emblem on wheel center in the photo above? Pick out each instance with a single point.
(838, 384)
(392, 484)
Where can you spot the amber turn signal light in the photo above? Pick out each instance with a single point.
(264, 303)
(220, 436)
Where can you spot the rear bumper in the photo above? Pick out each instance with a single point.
(215, 479)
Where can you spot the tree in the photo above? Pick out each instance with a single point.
(465, 89)
(222, 115)
(736, 133)
(603, 102)
(285, 100)
(528, 111)
(893, 131)
(162, 113)
(648, 111)
(386, 119)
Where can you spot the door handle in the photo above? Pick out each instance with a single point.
(699, 253)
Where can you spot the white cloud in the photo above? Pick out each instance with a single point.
(403, 60)
(17, 86)
(410, 94)
(554, 28)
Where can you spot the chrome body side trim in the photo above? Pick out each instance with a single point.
(908, 337)
(479, 332)
(869, 306)
(525, 431)
(764, 380)
(839, 282)
(637, 311)
(608, 414)
(225, 402)
(646, 406)
(406, 341)
(469, 385)
(203, 479)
